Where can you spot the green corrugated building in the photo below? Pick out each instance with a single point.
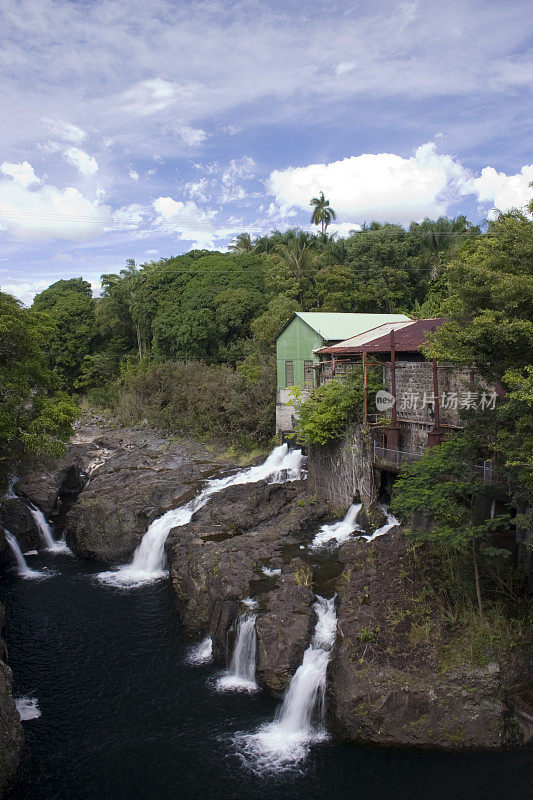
(307, 331)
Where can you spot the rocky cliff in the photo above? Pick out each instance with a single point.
(11, 735)
(401, 672)
(397, 675)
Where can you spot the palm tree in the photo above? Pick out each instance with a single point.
(242, 244)
(322, 212)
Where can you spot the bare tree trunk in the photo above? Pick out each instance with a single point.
(476, 575)
(139, 343)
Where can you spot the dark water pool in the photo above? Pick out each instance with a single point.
(123, 716)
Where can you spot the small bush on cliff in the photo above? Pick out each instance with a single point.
(326, 413)
(193, 399)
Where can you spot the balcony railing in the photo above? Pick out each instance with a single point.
(400, 458)
(394, 458)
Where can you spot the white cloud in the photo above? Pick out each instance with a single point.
(24, 290)
(504, 191)
(381, 186)
(342, 228)
(22, 174)
(65, 130)
(192, 136)
(149, 97)
(186, 220)
(345, 67)
(129, 217)
(84, 163)
(133, 175)
(46, 213)
(241, 169)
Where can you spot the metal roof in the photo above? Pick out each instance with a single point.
(336, 327)
(407, 339)
(367, 336)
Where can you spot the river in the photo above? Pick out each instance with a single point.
(123, 715)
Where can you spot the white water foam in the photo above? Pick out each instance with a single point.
(28, 708)
(10, 494)
(270, 572)
(392, 522)
(201, 653)
(22, 568)
(47, 536)
(149, 561)
(241, 673)
(284, 743)
(338, 532)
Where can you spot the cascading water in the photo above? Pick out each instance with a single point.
(299, 722)
(46, 532)
(241, 674)
(392, 522)
(149, 560)
(23, 570)
(201, 653)
(338, 532)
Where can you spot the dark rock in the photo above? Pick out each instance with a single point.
(11, 734)
(387, 683)
(133, 478)
(284, 632)
(216, 561)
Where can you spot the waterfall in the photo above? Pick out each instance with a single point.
(338, 532)
(201, 653)
(392, 522)
(241, 674)
(23, 570)
(46, 532)
(149, 562)
(299, 722)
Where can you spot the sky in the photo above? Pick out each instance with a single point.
(141, 130)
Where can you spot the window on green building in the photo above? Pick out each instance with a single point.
(289, 373)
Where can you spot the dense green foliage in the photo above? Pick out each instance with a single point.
(446, 491)
(69, 307)
(489, 302)
(34, 416)
(325, 414)
(225, 308)
(198, 400)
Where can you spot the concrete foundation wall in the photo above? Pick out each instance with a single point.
(342, 470)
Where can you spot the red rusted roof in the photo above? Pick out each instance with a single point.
(407, 339)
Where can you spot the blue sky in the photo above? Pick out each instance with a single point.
(139, 130)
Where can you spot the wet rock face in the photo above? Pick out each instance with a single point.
(387, 684)
(133, 478)
(284, 631)
(217, 561)
(11, 735)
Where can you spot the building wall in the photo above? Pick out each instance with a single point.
(414, 392)
(296, 343)
(285, 412)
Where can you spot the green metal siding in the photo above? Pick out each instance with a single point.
(296, 343)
